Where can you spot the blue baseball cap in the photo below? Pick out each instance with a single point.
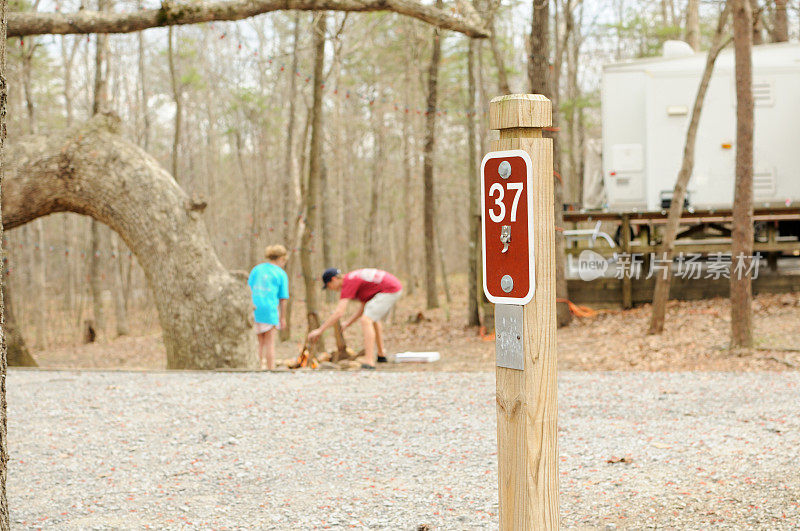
(328, 275)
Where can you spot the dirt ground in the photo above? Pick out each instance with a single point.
(695, 338)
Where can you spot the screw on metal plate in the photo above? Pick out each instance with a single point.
(507, 283)
(505, 237)
(504, 169)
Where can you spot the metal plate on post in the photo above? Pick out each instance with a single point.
(508, 336)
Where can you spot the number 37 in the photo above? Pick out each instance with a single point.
(497, 188)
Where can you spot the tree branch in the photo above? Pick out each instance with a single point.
(82, 22)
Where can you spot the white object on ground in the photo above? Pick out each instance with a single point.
(423, 357)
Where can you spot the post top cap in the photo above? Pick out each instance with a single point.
(520, 110)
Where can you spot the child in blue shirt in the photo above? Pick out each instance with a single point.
(270, 288)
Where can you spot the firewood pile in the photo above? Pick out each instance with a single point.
(324, 360)
(340, 358)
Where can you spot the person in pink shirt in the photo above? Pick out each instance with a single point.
(376, 292)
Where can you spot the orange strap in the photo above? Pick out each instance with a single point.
(578, 311)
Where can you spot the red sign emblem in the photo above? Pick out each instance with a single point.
(507, 224)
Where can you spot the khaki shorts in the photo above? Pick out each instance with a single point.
(378, 307)
(263, 328)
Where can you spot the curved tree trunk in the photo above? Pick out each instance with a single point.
(205, 312)
(85, 21)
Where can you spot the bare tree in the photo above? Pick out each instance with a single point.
(661, 293)
(289, 170)
(693, 24)
(487, 308)
(293, 217)
(428, 191)
(473, 214)
(540, 83)
(781, 22)
(176, 95)
(143, 89)
(742, 234)
(314, 163)
(409, 159)
(28, 51)
(378, 163)
(502, 77)
(758, 22)
(99, 104)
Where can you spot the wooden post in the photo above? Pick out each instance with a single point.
(625, 245)
(527, 444)
(772, 240)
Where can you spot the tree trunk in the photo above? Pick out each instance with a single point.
(289, 170)
(5, 523)
(408, 204)
(40, 284)
(99, 104)
(443, 267)
(375, 182)
(661, 292)
(473, 214)
(487, 308)
(68, 57)
(502, 78)
(95, 281)
(143, 92)
(758, 23)
(693, 24)
(742, 234)
(571, 47)
(315, 158)
(429, 201)
(69, 273)
(100, 97)
(293, 218)
(781, 24)
(18, 353)
(176, 95)
(119, 292)
(204, 311)
(326, 220)
(28, 48)
(540, 83)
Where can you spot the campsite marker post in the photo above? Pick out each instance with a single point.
(520, 277)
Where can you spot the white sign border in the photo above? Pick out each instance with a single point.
(531, 265)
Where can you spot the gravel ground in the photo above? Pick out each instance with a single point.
(392, 450)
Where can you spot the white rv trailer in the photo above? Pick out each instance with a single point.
(646, 108)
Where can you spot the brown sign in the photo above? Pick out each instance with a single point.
(507, 220)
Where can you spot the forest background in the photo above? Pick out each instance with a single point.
(227, 108)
